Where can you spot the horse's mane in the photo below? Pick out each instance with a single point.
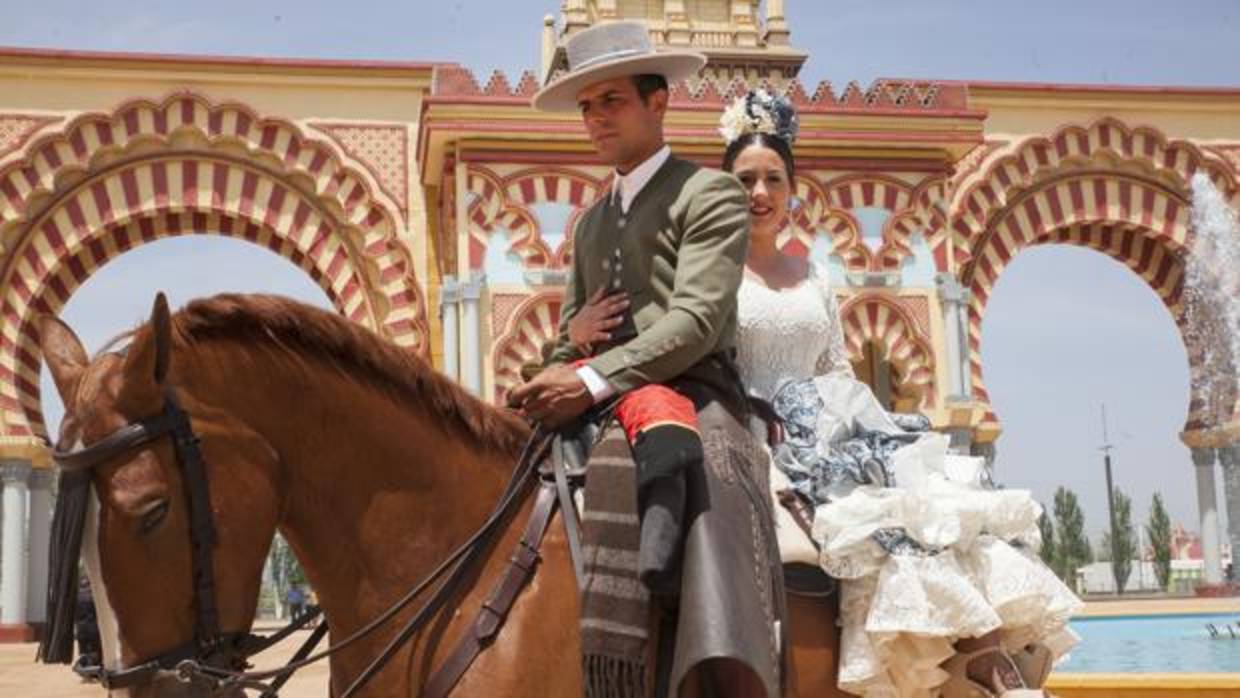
(303, 331)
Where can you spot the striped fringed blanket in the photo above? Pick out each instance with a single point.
(615, 604)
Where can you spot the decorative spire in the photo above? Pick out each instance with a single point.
(736, 40)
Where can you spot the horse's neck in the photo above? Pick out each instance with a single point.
(376, 493)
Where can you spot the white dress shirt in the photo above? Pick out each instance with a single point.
(626, 187)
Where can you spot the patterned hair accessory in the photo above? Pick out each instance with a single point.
(759, 112)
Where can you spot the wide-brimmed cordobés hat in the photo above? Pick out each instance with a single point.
(612, 50)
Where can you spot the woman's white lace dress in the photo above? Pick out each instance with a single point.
(926, 548)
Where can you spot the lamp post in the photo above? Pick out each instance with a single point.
(1106, 459)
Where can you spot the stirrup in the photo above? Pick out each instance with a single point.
(959, 685)
(1034, 662)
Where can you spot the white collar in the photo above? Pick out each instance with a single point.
(631, 184)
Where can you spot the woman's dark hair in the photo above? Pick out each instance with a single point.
(766, 140)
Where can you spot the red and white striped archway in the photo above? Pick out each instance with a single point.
(532, 324)
(1104, 147)
(1118, 190)
(826, 207)
(879, 319)
(503, 202)
(108, 182)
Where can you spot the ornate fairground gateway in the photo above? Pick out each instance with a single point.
(435, 208)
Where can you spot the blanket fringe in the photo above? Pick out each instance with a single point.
(613, 677)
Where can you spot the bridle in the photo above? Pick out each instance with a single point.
(210, 646)
(221, 659)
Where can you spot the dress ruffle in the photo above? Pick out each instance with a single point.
(935, 554)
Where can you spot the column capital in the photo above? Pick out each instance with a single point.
(1203, 457)
(15, 471)
(472, 290)
(950, 288)
(449, 291)
(42, 479)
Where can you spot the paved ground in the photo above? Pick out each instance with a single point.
(20, 676)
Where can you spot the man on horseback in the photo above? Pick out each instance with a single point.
(673, 237)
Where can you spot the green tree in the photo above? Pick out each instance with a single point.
(1071, 546)
(1159, 532)
(1047, 527)
(1123, 541)
(285, 569)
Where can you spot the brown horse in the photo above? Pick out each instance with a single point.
(371, 464)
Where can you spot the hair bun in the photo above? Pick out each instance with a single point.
(759, 112)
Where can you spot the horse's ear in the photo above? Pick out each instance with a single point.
(151, 361)
(64, 354)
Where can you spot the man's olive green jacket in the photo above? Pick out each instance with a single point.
(679, 253)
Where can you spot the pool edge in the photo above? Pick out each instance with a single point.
(1143, 685)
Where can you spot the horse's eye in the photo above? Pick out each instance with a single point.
(154, 516)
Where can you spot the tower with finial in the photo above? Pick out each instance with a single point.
(736, 38)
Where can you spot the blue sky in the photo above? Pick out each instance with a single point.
(1067, 329)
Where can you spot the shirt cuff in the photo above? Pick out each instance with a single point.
(598, 386)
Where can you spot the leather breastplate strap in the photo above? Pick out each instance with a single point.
(491, 616)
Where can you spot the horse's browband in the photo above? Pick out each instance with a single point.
(127, 437)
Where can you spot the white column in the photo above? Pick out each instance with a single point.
(954, 298)
(40, 529)
(14, 474)
(1229, 458)
(449, 310)
(1203, 459)
(471, 329)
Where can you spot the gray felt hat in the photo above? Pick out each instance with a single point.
(611, 50)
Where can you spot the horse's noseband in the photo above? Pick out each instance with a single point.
(209, 647)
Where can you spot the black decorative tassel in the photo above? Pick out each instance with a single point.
(68, 522)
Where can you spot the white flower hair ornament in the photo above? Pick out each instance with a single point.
(759, 112)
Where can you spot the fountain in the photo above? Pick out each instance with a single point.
(1211, 324)
(1212, 302)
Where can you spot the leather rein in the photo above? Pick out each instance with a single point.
(220, 659)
